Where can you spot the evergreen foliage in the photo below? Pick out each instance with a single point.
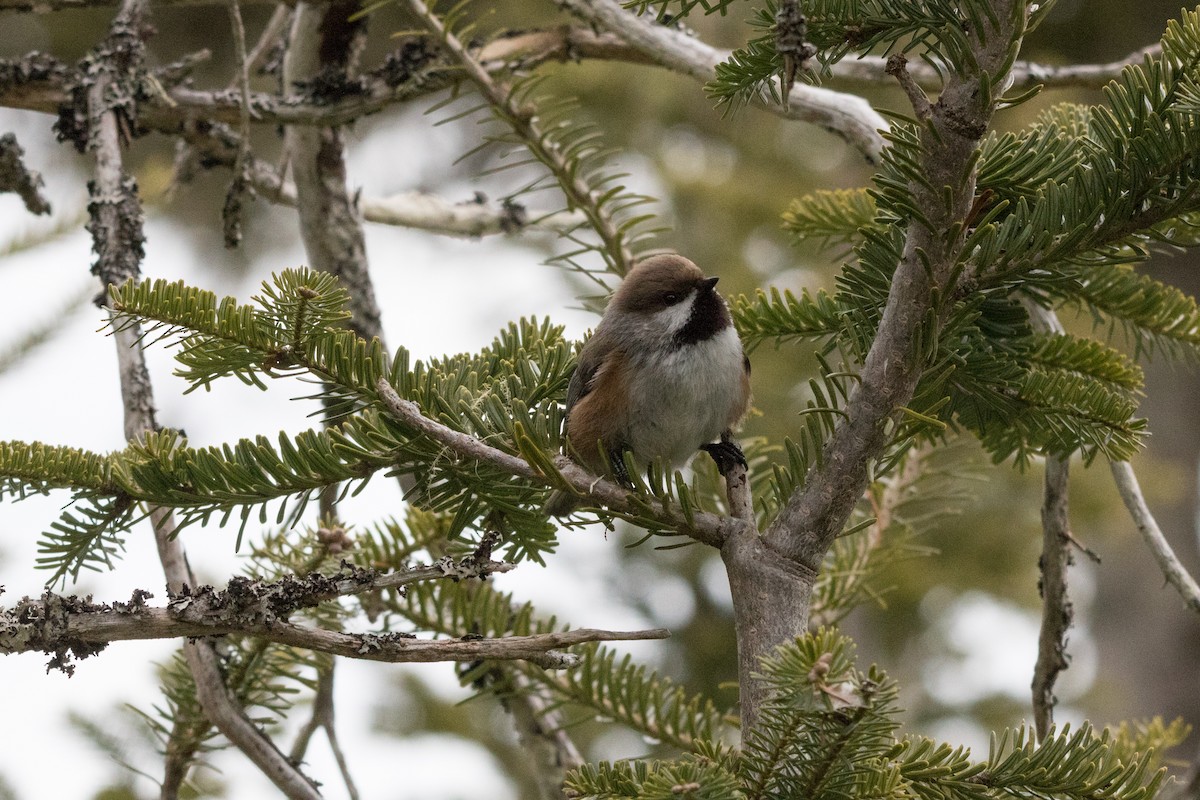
(1065, 210)
(829, 731)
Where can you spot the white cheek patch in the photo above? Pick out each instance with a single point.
(673, 318)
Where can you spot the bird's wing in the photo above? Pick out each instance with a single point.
(591, 359)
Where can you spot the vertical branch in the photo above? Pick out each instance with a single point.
(1056, 607)
(540, 730)
(323, 718)
(795, 545)
(116, 228)
(324, 44)
(232, 211)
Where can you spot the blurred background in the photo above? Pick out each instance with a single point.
(956, 628)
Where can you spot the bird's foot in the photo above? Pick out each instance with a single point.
(727, 454)
(620, 473)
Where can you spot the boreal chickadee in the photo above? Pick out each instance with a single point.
(663, 376)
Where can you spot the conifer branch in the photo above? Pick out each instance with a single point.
(1172, 568)
(702, 526)
(846, 115)
(945, 156)
(523, 119)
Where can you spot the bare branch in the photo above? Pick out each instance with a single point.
(323, 717)
(897, 67)
(472, 219)
(704, 527)
(57, 625)
(1056, 607)
(1173, 570)
(1025, 74)
(270, 35)
(846, 115)
(540, 729)
(108, 115)
(232, 211)
(325, 39)
(217, 145)
(16, 177)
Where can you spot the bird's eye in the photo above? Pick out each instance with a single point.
(670, 298)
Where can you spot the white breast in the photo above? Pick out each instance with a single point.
(683, 398)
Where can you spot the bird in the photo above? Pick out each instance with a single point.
(663, 376)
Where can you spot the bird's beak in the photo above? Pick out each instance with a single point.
(708, 284)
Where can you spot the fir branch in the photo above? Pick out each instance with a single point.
(604, 683)
(613, 687)
(597, 200)
(833, 217)
(845, 115)
(943, 153)
(703, 526)
(783, 316)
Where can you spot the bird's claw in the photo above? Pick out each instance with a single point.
(727, 454)
(619, 472)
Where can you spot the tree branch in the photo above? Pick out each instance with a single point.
(1135, 502)
(108, 119)
(323, 717)
(794, 546)
(1056, 607)
(540, 730)
(846, 115)
(325, 39)
(710, 529)
(67, 625)
(1025, 74)
(216, 145)
(16, 177)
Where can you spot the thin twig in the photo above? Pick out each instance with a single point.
(323, 718)
(266, 40)
(1025, 74)
(524, 122)
(897, 67)
(1056, 607)
(1135, 502)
